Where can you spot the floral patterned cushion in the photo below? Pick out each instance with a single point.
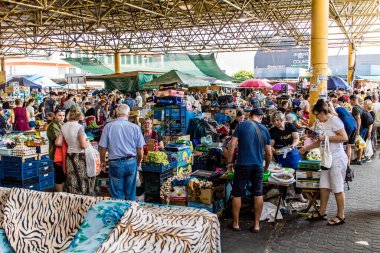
(5, 247)
(98, 223)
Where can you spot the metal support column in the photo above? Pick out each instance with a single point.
(117, 62)
(319, 52)
(2, 70)
(351, 64)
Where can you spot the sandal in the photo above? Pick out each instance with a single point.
(317, 218)
(233, 228)
(335, 223)
(253, 230)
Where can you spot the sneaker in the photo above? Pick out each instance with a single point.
(355, 162)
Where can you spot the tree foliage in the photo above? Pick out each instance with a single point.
(243, 75)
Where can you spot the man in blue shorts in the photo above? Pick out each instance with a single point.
(252, 139)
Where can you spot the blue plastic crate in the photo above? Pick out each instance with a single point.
(20, 174)
(17, 159)
(20, 166)
(175, 132)
(44, 157)
(44, 163)
(47, 183)
(158, 167)
(31, 184)
(45, 169)
(175, 112)
(45, 176)
(158, 114)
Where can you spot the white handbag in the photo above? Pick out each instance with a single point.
(326, 161)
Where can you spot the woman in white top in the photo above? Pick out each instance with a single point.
(332, 180)
(72, 132)
(30, 111)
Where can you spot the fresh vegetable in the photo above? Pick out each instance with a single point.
(157, 157)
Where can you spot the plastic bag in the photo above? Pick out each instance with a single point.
(92, 161)
(360, 143)
(368, 149)
(269, 211)
(326, 155)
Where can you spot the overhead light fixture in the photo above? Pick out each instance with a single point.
(101, 28)
(167, 39)
(61, 54)
(242, 17)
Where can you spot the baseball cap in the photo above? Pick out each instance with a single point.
(257, 111)
(52, 93)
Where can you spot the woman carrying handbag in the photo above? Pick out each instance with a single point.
(334, 170)
(77, 180)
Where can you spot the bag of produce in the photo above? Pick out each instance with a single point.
(92, 161)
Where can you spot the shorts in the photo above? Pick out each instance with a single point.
(334, 177)
(32, 124)
(351, 138)
(60, 176)
(363, 133)
(244, 175)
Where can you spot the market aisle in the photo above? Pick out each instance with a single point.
(298, 235)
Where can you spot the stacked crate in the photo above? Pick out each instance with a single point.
(175, 120)
(34, 172)
(154, 176)
(308, 174)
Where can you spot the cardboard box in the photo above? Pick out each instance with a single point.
(308, 184)
(179, 194)
(204, 196)
(300, 174)
(151, 145)
(177, 203)
(184, 169)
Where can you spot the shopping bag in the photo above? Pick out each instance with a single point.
(92, 161)
(326, 161)
(368, 148)
(60, 155)
(360, 143)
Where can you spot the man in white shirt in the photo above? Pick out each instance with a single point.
(376, 110)
(139, 100)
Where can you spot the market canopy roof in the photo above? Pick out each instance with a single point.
(176, 76)
(142, 26)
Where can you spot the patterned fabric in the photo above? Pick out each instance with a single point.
(43, 222)
(5, 247)
(97, 225)
(77, 181)
(164, 229)
(4, 194)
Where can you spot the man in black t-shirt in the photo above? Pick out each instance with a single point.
(356, 112)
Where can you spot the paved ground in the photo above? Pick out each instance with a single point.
(361, 233)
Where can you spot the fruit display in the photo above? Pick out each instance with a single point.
(92, 125)
(35, 142)
(157, 157)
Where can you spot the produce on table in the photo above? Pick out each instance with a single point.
(157, 157)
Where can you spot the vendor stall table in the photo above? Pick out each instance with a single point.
(282, 189)
(312, 195)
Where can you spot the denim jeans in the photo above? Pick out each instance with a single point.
(122, 175)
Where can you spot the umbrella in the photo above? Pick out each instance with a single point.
(335, 82)
(254, 84)
(278, 86)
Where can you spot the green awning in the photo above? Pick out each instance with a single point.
(207, 64)
(90, 65)
(175, 76)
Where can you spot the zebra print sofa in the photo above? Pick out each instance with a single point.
(47, 222)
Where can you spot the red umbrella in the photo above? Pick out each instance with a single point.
(254, 84)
